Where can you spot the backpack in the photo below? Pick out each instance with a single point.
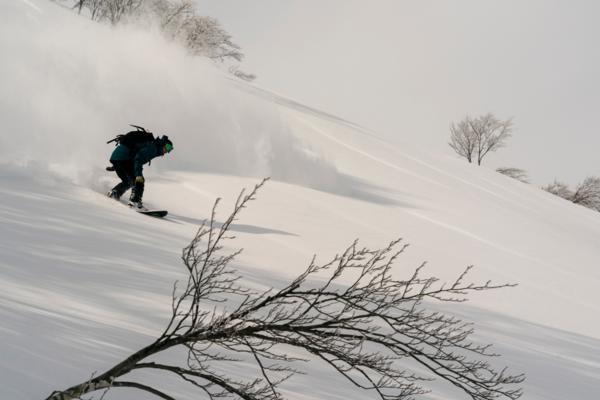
(132, 138)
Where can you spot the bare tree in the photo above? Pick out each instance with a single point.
(515, 173)
(370, 329)
(111, 10)
(474, 138)
(462, 139)
(201, 35)
(178, 20)
(205, 36)
(587, 193)
(172, 14)
(559, 189)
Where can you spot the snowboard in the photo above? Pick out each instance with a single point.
(145, 211)
(154, 213)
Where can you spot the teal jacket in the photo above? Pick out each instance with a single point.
(144, 153)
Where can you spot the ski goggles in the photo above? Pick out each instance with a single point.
(168, 147)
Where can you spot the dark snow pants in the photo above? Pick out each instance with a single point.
(124, 169)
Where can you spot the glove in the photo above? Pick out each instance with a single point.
(139, 180)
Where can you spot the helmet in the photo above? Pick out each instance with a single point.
(166, 143)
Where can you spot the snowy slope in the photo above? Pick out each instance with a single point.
(85, 281)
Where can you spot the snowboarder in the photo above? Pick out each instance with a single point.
(128, 160)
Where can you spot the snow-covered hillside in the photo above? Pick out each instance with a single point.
(85, 281)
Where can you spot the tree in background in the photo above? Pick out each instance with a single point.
(350, 313)
(474, 138)
(559, 189)
(111, 10)
(178, 20)
(587, 193)
(201, 35)
(515, 173)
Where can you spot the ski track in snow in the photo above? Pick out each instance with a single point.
(374, 158)
(30, 4)
(486, 241)
(395, 150)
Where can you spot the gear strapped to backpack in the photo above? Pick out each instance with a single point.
(131, 139)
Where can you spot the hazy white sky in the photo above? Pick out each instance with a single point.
(407, 69)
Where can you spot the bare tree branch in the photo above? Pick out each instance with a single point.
(144, 388)
(372, 329)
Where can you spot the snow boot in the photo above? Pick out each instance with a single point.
(113, 195)
(137, 205)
